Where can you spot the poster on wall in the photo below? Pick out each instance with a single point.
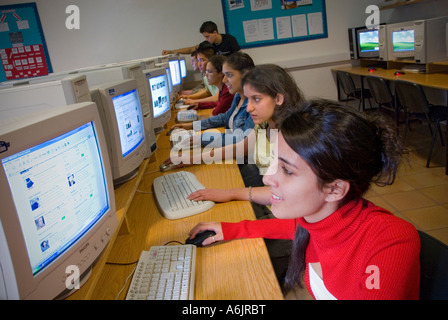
(256, 23)
(23, 50)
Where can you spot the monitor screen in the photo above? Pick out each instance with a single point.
(160, 94)
(368, 41)
(175, 72)
(60, 191)
(403, 40)
(129, 121)
(183, 68)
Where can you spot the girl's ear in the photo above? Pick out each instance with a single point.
(336, 190)
(279, 99)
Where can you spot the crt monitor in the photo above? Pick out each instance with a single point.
(176, 77)
(16, 101)
(121, 114)
(419, 41)
(158, 87)
(58, 205)
(129, 71)
(368, 43)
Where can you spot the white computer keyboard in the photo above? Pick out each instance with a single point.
(171, 192)
(187, 116)
(164, 273)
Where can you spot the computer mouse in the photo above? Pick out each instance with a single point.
(200, 237)
(166, 167)
(371, 69)
(399, 73)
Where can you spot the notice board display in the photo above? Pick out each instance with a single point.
(23, 50)
(256, 23)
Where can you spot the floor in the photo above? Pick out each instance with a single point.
(419, 194)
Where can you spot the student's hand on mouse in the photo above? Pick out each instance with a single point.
(215, 195)
(204, 226)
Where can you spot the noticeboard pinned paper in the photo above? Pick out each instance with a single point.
(269, 22)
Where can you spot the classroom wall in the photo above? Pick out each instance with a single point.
(119, 30)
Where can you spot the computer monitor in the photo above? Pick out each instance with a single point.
(122, 118)
(25, 98)
(365, 42)
(58, 205)
(176, 77)
(183, 67)
(419, 41)
(368, 43)
(166, 66)
(129, 71)
(158, 88)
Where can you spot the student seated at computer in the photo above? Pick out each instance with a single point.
(345, 247)
(236, 120)
(195, 67)
(215, 77)
(224, 44)
(210, 91)
(271, 92)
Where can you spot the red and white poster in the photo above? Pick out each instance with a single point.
(24, 62)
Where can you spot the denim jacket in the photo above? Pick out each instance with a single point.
(242, 125)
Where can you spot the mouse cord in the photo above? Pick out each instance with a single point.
(125, 283)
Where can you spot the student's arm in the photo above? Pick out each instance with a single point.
(261, 195)
(208, 98)
(187, 50)
(198, 95)
(268, 229)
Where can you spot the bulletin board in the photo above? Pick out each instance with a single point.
(256, 23)
(23, 50)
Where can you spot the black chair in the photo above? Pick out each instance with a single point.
(347, 84)
(433, 268)
(413, 99)
(382, 95)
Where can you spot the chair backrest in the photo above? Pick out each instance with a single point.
(433, 268)
(346, 81)
(412, 96)
(380, 90)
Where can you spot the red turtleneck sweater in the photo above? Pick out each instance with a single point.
(358, 245)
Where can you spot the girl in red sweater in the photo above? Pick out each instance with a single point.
(344, 246)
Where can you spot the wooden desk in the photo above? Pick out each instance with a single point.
(234, 270)
(433, 80)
